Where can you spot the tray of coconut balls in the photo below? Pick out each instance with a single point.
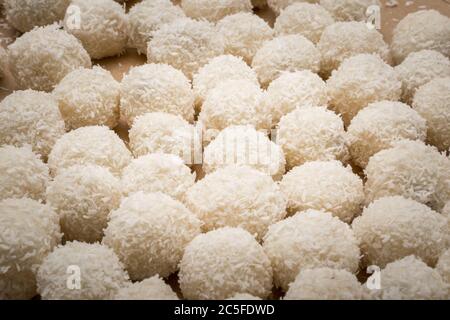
(225, 149)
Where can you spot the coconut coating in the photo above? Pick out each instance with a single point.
(423, 29)
(41, 58)
(22, 173)
(278, 6)
(442, 192)
(3, 62)
(218, 70)
(89, 145)
(303, 241)
(156, 87)
(214, 10)
(285, 53)
(153, 288)
(243, 296)
(343, 40)
(31, 117)
(418, 69)
(312, 133)
(102, 29)
(360, 80)
(185, 44)
(24, 15)
(158, 172)
(244, 34)
(237, 196)
(443, 266)
(326, 186)
(88, 97)
(379, 124)
(83, 196)
(294, 89)
(28, 232)
(303, 18)
(100, 273)
(149, 232)
(222, 263)
(348, 10)
(325, 284)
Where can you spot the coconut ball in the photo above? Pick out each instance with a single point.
(285, 53)
(185, 44)
(222, 263)
(157, 172)
(443, 266)
(343, 40)
(360, 80)
(303, 18)
(293, 89)
(156, 87)
(153, 288)
(325, 284)
(312, 133)
(418, 69)
(423, 29)
(41, 58)
(22, 173)
(244, 145)
(218, 70)
(89, 145)
(442, 192)
(244, 34)
(102, 27)
(24, 15)
(81, 271)
(28, 232)
(237, 196)
(326, 186)
(149, 232)
(303, 241)
(409, 169)
(243, 296)
(376, 126)
(31, 117)
(348, 10)
(83, 196)
(278, 6)
(89, 97)
(214, 10)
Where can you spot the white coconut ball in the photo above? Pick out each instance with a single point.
(81, 271)
(325, 284)
(156, 87)
(391, 228)
(222, 263)
(244, 145)
(278, 6)
(343, 40)
(24, 15)
(31, 117)
(294, 89)
(89, 145)
(83, 196)
(157, 172)
(243, 296)
(285, 53)
(217, 71)
(303, 18)
(379, 124)
(244, 34)
(303, 241)
(100, 25)
(326, 186)
(423, 29)
(29, 231)
(22, 173)
(153, 288)
(418, 69)
(312, 133)
(149, 233)
(214, 10)
(39, 59)
(443, 266)
(349, 10)
(185, 44)
(360, 80)
(237, 196)
(89, 97)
